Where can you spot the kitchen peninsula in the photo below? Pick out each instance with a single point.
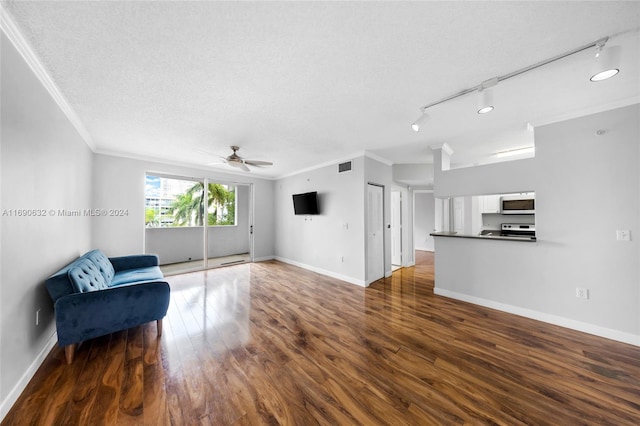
(487, 236)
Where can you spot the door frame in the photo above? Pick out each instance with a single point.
(397, 233)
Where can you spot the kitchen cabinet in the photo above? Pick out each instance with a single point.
(490, 204)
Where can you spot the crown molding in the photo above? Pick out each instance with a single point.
(443, 146)
(213, 171)
(321, 165)
(10, 29)
(339, 160)
(596, 109)
(378, 158)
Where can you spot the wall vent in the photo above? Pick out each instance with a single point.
(344, 167)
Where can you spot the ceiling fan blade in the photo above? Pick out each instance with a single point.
(239, 165)
(258, 163)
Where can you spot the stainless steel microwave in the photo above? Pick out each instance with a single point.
(518, 204)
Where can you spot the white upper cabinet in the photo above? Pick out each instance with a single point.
(490, 204)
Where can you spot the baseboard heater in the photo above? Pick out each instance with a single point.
(232, 262)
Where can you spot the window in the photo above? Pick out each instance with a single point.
(222, 205)
(175, 202)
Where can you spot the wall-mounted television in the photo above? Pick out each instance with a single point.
(306, 203)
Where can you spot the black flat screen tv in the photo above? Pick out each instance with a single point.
(306, 203)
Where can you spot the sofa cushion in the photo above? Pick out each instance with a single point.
(102, 263)
(151, 273)
(85, 276)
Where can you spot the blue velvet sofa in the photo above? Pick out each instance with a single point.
(95, 295)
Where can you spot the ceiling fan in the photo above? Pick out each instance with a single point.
(235, 160)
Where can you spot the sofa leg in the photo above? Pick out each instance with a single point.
(69, 351)
(159, 323)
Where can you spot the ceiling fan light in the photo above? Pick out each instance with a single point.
(606, 63)
(420, 121)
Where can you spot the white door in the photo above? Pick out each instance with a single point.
(396, 228)
(375, 233)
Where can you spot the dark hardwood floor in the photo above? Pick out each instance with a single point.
(270, 343)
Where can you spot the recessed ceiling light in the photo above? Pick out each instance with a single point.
(601, 132)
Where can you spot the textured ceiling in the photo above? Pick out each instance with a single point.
(304, 83)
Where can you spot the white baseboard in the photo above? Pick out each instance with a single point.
(584, 327)
(27, 376)
(331, 274)
(263, 259)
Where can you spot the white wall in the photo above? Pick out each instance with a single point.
(333, 242)
(120, 183)
(413, 174)
(45, 166)
(319, 242)
(424, 220)
(173, 245)
(587, 187)
(498, 178)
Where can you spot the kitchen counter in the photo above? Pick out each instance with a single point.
(485, 236)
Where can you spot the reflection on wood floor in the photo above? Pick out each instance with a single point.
(270, 343)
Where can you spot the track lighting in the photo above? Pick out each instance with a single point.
(485, 96)
(606, 66)
(486, 102)
(420, 121)
(606, 62)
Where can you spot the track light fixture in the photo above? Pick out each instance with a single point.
(486, 102)
(606, 67)
(485, 96)
(420, 121)
(606, 62)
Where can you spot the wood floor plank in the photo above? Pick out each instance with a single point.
(155, 408)
(86, 387)
(269, 343)
(106, 406)
(131, 393)
(54, 409)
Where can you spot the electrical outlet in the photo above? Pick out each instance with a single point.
(38, 317)
(623, 235)
(582, 293)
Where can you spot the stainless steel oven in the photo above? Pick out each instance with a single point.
(521, 230)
